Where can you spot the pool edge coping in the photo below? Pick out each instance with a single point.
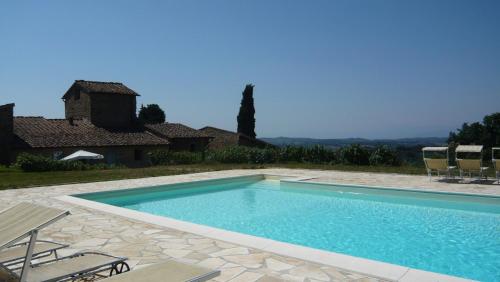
(350, 263)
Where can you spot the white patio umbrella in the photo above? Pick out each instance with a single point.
(82, 155)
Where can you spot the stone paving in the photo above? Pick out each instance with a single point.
(144, 244)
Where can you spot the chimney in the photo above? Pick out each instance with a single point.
(6, 132)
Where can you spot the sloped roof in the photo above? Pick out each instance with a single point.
(101, 87)
(38, 132)
(176, 130)
(224, 138)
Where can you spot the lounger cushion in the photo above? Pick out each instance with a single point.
(171, 271)
(62, 268)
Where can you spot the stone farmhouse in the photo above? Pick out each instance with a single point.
(100, 117)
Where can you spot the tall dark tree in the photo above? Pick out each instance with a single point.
(246, 116)
(152, 113)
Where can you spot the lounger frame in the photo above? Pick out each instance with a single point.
(496, 162)
(116, 267)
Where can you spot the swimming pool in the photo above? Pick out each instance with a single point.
(451, 234)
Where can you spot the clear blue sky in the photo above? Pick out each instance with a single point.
(327, 69)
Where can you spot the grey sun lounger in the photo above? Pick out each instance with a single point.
(172, 271)
(25, 220)
(15, 254)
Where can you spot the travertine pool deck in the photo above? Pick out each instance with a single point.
(145, 243)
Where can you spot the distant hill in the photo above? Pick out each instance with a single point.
(335, 143)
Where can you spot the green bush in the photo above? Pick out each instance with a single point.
(291, 154)
(243, 155)
(383, 155)
(234, 154)
(319, 155)
(161, 157)
(28, 162)
(354, 154)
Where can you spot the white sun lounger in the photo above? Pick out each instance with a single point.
(496, 163)
(472, 164)
(438, 165)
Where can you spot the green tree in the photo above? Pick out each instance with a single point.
(492, 130)
(486, 133)
(246, 116)
(152, 113)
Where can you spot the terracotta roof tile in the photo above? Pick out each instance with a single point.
(176, 130)
(102, 87)
(38, 132)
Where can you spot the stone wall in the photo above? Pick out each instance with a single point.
(112, 110)
(6, 132)
(77, 104)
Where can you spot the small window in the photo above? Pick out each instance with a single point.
(77, 95)
(137, 155)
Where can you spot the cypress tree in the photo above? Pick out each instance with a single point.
(246, 116)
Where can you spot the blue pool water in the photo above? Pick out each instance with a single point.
(455, 235)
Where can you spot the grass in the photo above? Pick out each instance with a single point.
(11, 178)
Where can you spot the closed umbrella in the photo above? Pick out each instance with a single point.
(82, 155)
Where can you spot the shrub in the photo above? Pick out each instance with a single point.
(160, 157)
(354, 154)
(383, 155)
(28, 162)
(319, 154)
(262, 156)
(234, 154)
(291, 154)
(243, 155)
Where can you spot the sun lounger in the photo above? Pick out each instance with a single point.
(470, 165)
(438, 165)
(171, 271)
(76, 266)
(16, 253)
(496, 163)
(27, 219)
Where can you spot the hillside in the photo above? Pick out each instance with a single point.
(335, 143)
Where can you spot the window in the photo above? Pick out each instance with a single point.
(77, 95)
(137, 155)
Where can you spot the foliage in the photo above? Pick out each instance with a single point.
(243, 155)
(162, 157)
(383, 155)
(486, 133)
(354, 154)
(246, 116)
(152, 113)
(29, 163)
